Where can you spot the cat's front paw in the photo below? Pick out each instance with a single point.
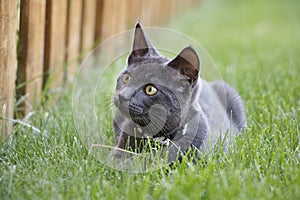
(120, 159)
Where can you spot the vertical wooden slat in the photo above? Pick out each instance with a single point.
(8, 62)
(55, 41)
(156, 19)
(166, 11)
(107, 19)
(134, 10)
(98, 21)
(73, 37)
(145, 14)
(120, 14)
(31, 53)
(88, 24)
(155, 12)
(113, 21)
(114, 17)
(172, 9)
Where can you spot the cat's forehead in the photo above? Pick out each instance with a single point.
(155, 73)
(139, 61)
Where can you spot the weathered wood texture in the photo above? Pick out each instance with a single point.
(89, 9)
(98, 21)
(30, 54)
(55, 42)
(113, 22)
(8, 63)
(73, 40)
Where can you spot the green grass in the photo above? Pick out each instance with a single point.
(256, 46)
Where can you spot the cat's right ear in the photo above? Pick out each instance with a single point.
(141, 46)
(187, 63)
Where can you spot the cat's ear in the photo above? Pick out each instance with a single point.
(141, 46)
(187, 63)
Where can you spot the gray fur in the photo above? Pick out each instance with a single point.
(207, 110)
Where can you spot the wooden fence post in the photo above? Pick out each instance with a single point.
(30, 54)
(134, 10)
(55, 42)
(114, 18)
(8, 62)
(73, 37)
(98, 21)
(88, 24)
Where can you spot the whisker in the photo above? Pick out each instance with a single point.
(106, 107)
(119, 149)
(157, 119)
(109, 93)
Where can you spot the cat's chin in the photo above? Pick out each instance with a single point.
(137, 119)
(140, 121)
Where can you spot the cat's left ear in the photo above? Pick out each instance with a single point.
(187, 63)
(141, 46)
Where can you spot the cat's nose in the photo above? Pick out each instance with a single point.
(123, 98)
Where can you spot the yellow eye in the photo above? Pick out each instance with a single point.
(126, 78)
(150, 90)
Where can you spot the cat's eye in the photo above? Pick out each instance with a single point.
(126, 78)
(150, 90)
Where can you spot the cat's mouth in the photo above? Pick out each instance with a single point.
(138, 115)
(152, 124)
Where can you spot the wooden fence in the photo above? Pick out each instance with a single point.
(42, 38)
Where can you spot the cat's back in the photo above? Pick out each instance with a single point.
(222, 105)
(222, 108)
(226, 103)
(231, 102)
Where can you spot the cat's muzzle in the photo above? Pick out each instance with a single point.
(138, 115)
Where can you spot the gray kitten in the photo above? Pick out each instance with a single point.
(165, 100)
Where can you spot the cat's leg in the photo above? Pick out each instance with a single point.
(127, 146)
(127, 152)
(122, 143)
(119, 157)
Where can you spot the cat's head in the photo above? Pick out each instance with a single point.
(154, 92)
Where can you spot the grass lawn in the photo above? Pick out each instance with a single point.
(256, 46)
